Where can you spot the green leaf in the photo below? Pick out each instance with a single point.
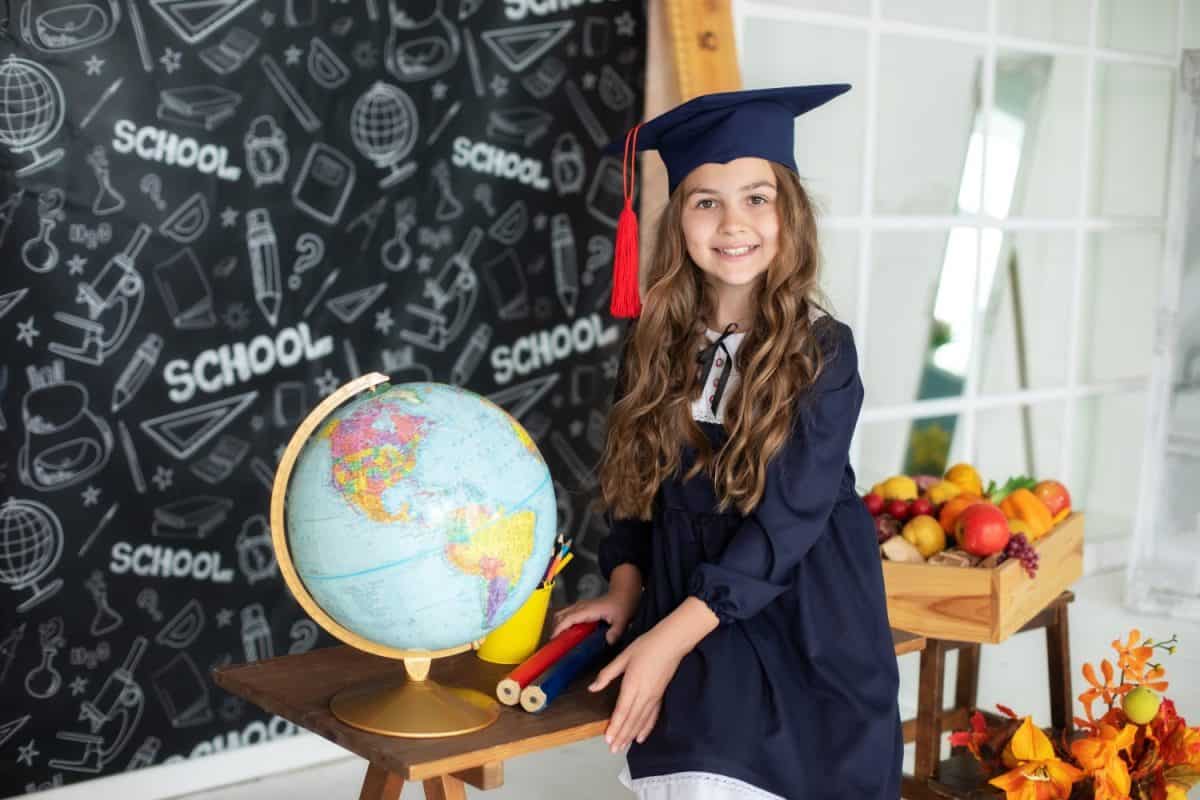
(1010, 486)
(1183, 775)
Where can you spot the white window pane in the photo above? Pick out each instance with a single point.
(839, 273)
(969, 14)
(781, 53)
(1191, 24)
(1143, 26)
(1020, 440)
(1035, 147)
(925, 446)
(1024, 332)
(928, 93)
(1131, 137)
(919, 311)
(1059, 21)
(1119, 299)
(1106, 462)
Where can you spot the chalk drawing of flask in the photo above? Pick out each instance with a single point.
(419, 50)
(39, 253)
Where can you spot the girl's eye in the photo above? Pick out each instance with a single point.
(701, 203)
(758, 199)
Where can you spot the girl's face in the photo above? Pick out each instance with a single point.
(730, 221)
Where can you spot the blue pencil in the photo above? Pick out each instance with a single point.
(536, 696)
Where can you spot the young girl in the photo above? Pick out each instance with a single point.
(744, 575)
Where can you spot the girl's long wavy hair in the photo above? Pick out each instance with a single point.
(778, 359)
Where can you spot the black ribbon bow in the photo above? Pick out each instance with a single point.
(705, 359)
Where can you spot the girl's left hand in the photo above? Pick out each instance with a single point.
(648, 664)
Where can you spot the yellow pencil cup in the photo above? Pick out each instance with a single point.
(518, 637)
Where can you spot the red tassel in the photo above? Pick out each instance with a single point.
(626, 303)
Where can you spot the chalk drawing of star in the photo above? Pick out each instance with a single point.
(78, 686)
(499, 86)
(27, 754)
(229, 217)
(439, 90)
(224, 618)
(26, 332)
(268, 19)
(384, 321)
(610, 366)
(424, 263)
(326, 383)
(91, 496)
(292, 55)
(171, 60)
(589, 80)
(625, 24)
(163, 478)
(539, 222)
(76, 264)
(94, 65)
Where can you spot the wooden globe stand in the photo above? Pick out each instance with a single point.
(411, 705)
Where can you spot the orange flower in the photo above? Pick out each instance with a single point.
(1106, 691)
(1038, 774)
(1182, 747)
(1132, 656)
(1150, 679)
(1100, 756)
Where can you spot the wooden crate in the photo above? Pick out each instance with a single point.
(969, 604)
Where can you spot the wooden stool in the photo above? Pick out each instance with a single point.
(932, 778)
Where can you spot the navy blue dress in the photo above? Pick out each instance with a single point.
(795, 691)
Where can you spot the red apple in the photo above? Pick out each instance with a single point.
(874, 503)
(921, 506)
(1054, 496)
(886, 527)
(982, 529)
(898, 509)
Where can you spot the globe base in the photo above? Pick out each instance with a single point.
(413, 708)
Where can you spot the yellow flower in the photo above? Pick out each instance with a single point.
(1100, 756)
(1038, 774)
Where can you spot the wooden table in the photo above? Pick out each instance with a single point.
(298, 688)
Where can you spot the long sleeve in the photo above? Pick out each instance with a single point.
(802, 485)
(628, 540)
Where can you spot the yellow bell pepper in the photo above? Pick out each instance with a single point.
(1024, 505)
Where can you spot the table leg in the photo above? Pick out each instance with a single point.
(445, 787)
(929, 707)
(380, 784)
(1058, 665)
(966, 681)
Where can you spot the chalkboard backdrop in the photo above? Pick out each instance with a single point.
(214, 213)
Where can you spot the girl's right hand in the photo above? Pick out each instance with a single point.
(614, 609)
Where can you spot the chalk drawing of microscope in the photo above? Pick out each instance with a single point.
(114, 301)
(112, 717)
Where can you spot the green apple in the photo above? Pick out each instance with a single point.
(1141, 705)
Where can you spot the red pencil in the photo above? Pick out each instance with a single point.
(508, 690)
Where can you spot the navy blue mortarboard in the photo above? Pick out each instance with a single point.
(711, 128)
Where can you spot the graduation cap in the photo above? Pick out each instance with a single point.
(711, 128)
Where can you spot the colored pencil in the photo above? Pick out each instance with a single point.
(561, 566)
(539, 694)
(508, 690)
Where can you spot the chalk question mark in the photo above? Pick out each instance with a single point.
(311, 249)
(304, 636)
(151, 186)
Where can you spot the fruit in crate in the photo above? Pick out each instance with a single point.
(955, 506)
(886, 526)
(1141, 705)
(898, 548)
(1018, 547)
(898, 509)
(924, 533)
(874, 503)
(942, 492)
(966, 478)
(1055, 497)
(1022, 504)
(899, 487)
(981, 529)
(920, 506)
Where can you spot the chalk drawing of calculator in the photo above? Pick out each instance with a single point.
(324, 184)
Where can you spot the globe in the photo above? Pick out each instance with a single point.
(410, 520)
(31, 540)
(31, 110)
(383, 124)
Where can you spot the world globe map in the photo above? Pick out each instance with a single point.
(420, 516)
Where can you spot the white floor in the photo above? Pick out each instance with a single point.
(1012, 673)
